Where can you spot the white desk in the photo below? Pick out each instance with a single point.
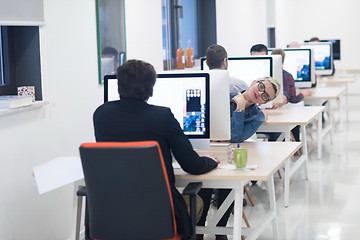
(340, 80)
(283, 120)
(323, 94)
(269, 156)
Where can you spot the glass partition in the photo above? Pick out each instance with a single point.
(111, 36)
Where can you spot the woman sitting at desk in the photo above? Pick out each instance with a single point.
(246, 117)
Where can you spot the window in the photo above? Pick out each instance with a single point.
(1, 62)
(20, 59)
(184, 23)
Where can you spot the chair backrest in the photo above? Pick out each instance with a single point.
(128, 192)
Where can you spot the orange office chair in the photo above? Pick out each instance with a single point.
(127, 192)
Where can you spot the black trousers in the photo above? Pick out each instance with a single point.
(295, 131)
(205, 194)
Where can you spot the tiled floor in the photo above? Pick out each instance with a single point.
(327, 206)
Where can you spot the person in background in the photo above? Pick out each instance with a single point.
(111, 53)
(246, 117)
(261, 49)
(132, 119)
(314, 39)
(290, 95)
(293, 44)
(217, 58)
(258, 49)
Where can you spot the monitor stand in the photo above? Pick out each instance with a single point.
(200, 143)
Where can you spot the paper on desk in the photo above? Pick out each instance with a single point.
(57, 173)
(232, 167)
(176, 165)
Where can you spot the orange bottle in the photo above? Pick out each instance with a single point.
(189, 56)
(180, 58)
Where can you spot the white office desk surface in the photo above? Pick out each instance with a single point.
(291, 115)
(269, 156)
(324, 93)
(337, 79)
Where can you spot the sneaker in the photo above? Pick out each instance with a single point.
(244, 202)
(199, 237)
(221, 237)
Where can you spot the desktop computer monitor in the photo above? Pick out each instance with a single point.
(335, 45)
(299, 62)
(219, 105)
(323, 55)
(188, 97)
(250, 68)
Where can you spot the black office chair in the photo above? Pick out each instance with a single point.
(127, 192)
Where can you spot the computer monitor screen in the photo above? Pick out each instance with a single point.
(250, 68)
(300, 64)
(188, 97)
(323, 57)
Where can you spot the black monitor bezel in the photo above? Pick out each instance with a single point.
(106, 86)
(203, 59)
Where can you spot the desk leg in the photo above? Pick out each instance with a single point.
(287, 134)
(287, 183)
(331, 118)
(319, 135)
(347, 105)
(238, 207)
(305, 151)
(341, 112)
(287, 173)
(271, 192)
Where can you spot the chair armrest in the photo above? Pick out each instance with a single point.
(191, 190)
(81, 192)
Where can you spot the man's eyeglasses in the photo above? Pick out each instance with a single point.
(264, 96)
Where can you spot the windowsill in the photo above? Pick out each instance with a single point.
(36, 104)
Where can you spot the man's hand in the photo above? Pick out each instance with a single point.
(277, 105)
(211, 155)
(306, 92)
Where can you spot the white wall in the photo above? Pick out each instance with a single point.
(70, 84)
(301, 20)
(143, 31)
(241, 24)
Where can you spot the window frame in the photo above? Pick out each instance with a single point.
(21, 59)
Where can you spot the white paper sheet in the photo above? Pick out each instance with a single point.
(232, 167)
(57, 173)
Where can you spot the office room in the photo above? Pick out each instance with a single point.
(71, 92)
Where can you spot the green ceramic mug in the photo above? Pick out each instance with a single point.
(240, 157)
